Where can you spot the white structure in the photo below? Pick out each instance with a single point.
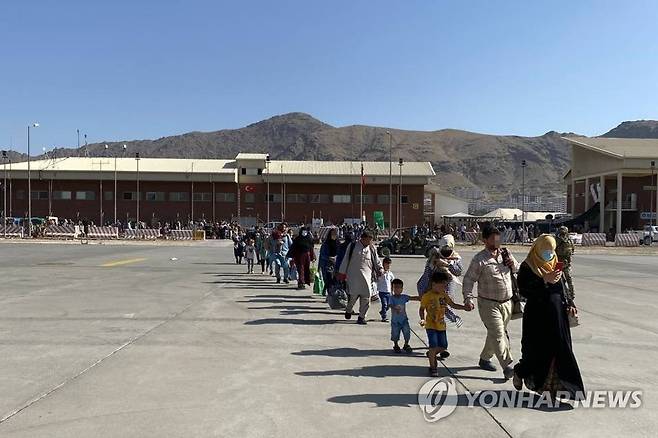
(445, 204)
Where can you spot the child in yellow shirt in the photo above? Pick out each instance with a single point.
(432, 310)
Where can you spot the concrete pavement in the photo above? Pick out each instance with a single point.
(146, 346)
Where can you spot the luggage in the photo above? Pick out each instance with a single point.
(337, 296)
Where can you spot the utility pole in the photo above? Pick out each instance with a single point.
(390, 183)
(523, 166)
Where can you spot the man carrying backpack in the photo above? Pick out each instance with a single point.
(360, 267)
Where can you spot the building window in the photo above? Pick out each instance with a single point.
(243, 170)
(260, 171)
(342, 199)
(179, 196)
(250, 171)
(62, 195)
(155, 196)
(85, 196)
(130, 196)
(36, 195)
(367, 199)
(296, 198)
(109, 196)
(404, 199)
(202, 196)
(319, 199)
(275, 197)
(382, 199)
(225, 197)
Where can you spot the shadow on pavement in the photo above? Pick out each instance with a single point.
(378, 371)
(292, 321)
(406, 400)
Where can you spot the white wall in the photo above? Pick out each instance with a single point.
(444, 205)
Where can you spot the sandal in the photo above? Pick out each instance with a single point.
(396, 348)
(444, 354)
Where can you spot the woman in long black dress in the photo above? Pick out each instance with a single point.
(547, 360)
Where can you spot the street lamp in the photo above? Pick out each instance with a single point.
(115, 184)
(100, 178)
(651, 194)
(390, 182)
(267, 170)
(400, 163)
(523, 166)
(29, 181)
(4, 193)
(137, 161)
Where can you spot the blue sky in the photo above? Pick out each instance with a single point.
(144, 69)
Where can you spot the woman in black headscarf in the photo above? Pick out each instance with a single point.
(302, 252)
(547, 360)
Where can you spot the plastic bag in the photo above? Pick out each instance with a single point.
(318, 283)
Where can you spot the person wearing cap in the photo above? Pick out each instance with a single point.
(564, 251)
(360, 267)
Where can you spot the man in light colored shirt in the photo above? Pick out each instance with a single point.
(492, 271)
(360, 267)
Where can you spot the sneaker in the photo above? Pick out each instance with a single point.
(286, 281)
(407, 348)
(517, 382)
(487, 365)
(444, 354)
(361, 321)
(278, 280)
(348, 315)
(397, 349)
(508, 372)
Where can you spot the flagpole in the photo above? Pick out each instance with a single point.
(361, 196)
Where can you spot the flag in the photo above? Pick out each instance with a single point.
(363, 177)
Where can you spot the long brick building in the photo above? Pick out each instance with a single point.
(183, 189)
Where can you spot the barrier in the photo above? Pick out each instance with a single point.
(181, 234)
(627, 239)
(508, 236)
(146, 233)
(11, 231)
(103, 232)
(66, 231)
(594, 239)
(472, 236)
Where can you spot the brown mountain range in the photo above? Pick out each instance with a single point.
(461, 159)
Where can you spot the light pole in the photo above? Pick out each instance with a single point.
(137, 161)
(4, 193)
(29, 181)
(523, 166)
(100, 190)
(651, 194)
(115, 184)
(267, 170)
(400, 163)
(390, 183)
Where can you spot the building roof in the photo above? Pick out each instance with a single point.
(181, 165)
(163, 165)
(248, 156)
(346, 168)
(619, 147)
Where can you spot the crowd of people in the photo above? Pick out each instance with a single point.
(541, 286)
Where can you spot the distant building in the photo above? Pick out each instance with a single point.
(183, 189)
(619, 175)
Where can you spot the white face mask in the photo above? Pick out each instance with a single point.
(304, 233)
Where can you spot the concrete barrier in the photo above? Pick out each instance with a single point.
(146, 233)
(594, 239)
(472, 236)
(181, 234)
(11, 231)
(62, 231)
(627, 240)
(103, 232)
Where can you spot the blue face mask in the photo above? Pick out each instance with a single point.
(547, 255)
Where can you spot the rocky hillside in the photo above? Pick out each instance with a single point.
(461, 159)
(635, 129)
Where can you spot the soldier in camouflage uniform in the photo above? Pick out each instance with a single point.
(564, 251)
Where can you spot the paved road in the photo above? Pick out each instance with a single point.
(121, 341)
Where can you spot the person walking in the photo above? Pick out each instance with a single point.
(547, 362)
(360, 268)
(493, 274)
(327, 259)
(564, 251)
(301, 251)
